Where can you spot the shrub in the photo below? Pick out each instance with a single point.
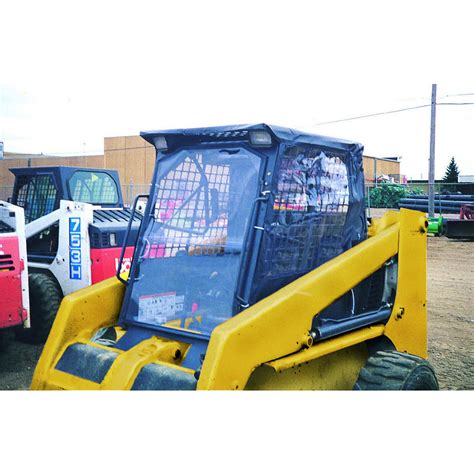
(414, 192)
(386, 195)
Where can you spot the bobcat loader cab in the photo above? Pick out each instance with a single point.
(253, 269)
(75, 228)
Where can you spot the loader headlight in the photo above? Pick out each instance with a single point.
(161, 143)
(113, 239)
(260, 138)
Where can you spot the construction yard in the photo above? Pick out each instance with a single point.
(450, 323)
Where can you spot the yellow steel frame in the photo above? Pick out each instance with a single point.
(128, 364)
(337, 370)
(272, 335)
(80, 315)
(279, 325)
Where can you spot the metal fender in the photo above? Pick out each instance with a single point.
(80, 315)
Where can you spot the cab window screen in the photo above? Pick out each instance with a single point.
(194, 240)
(93, 187)
(306, 224)
(36, 195)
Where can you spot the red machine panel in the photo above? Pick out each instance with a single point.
(12, 312)
(105, 262)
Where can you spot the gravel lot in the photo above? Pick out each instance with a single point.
(450, 322)
(451, 312)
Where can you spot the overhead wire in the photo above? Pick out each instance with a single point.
(393, 111)
(374, 114)
(347, 119)
(455, 103)
(457, 95)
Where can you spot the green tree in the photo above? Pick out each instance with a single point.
(452, 172)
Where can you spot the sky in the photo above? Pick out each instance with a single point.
(74, 72)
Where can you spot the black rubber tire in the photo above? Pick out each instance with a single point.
(45, 298)
(392, 370)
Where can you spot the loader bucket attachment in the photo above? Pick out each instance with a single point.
(253, 259)
(459, 229)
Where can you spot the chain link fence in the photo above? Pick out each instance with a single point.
(448, 197)
(422, 188)
(130, 191)
(373, 191)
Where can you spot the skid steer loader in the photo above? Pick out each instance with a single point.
(73, 224)
(15, 307)
(255, 268)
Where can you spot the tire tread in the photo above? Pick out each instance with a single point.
(392, 370)
(45, 298)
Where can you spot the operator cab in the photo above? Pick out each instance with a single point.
(237, 213)
(39, 190)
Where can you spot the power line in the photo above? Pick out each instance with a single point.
(375, 114)
(95, 153)
(394, 111)
(455, 103)
(457, 95)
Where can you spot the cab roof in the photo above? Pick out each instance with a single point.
(241, 132)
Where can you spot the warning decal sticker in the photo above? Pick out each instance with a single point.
(159, 308)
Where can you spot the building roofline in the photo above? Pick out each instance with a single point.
(396, 159)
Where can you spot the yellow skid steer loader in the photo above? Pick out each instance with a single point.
(255, 268)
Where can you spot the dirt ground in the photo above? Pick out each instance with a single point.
(451, 312)
(17, 362)
(450, 322)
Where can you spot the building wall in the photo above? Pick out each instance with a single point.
(377, 166)
(20, 160)
(134, 159)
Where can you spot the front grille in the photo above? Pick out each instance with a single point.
(105, 239)
(115, 215)
(6, 263)
(376, 289)
(95, 240)
(226, 134)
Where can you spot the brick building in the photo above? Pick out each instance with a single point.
(376, 167)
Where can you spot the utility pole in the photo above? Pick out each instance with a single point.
(375, 171)
(431, 173)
